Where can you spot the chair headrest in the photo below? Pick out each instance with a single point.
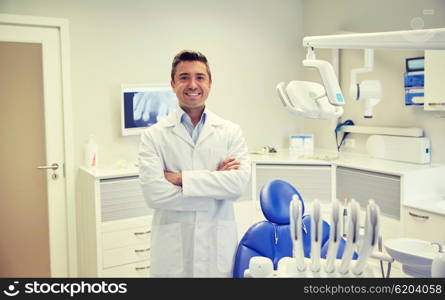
(275, 198)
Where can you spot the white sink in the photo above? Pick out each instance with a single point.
(415, 255)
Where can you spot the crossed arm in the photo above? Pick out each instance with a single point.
(228, 164)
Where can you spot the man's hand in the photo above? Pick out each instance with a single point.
(229, 164)
(174, 178)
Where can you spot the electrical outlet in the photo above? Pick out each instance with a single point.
(349, 143)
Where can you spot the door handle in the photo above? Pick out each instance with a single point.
(54, 166)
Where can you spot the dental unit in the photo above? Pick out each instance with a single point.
(316, 101)
(332, 265)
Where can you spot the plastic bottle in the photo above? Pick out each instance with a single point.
(438, 264)
(91, 159)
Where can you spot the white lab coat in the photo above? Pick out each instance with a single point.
(194, 231)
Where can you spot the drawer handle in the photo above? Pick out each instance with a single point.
(141, 250)
(418, 216)
(142, 268)
(142, 233)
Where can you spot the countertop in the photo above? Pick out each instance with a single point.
(284, 157)
(343, 159)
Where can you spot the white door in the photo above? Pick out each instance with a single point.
(33, 207)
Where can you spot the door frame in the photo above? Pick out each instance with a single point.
(62, 25)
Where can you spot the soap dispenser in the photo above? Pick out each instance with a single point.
(438, 264)
(91, 158)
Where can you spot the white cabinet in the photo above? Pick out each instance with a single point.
(114, 225)
(424, 225)
(434, 78)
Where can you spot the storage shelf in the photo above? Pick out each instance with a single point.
(399, 131)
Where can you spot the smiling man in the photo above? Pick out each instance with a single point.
(193, 166)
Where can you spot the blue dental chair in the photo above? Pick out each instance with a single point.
(271, 238)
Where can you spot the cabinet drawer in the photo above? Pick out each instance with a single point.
(127, 237)
(139, 269)
(122, 198)
(125, 255)
(424, 225)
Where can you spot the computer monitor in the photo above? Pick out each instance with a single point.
(144, 105)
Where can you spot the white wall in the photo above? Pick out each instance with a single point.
(251, 46)
(329, 17)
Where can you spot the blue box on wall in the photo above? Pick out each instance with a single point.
(414, 81)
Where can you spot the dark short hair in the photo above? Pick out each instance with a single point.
(189, 55)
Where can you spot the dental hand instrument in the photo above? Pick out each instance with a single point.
(353, 227)
(296, 214)
(316, 236)
(334, 237)
(370, 239)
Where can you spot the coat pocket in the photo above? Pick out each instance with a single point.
(227, 241)
(166, 259)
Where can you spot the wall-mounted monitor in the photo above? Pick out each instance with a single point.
(144, 105)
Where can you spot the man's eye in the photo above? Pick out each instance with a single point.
(182, 77)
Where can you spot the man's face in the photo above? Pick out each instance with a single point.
(191, 84)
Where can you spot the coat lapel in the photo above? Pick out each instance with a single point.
(207, 130)
(212, 121)
(178, 129)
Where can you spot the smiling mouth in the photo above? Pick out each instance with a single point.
(193, 93)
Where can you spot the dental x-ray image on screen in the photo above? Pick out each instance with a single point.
(145, 105)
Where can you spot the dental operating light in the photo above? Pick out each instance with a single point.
(310, 99)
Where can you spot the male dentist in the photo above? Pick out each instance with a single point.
(193, 166)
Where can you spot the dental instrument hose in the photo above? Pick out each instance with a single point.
(345, 134)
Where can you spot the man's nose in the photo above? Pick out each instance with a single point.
(192, 84)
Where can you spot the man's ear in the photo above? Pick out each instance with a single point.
(172, 83)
